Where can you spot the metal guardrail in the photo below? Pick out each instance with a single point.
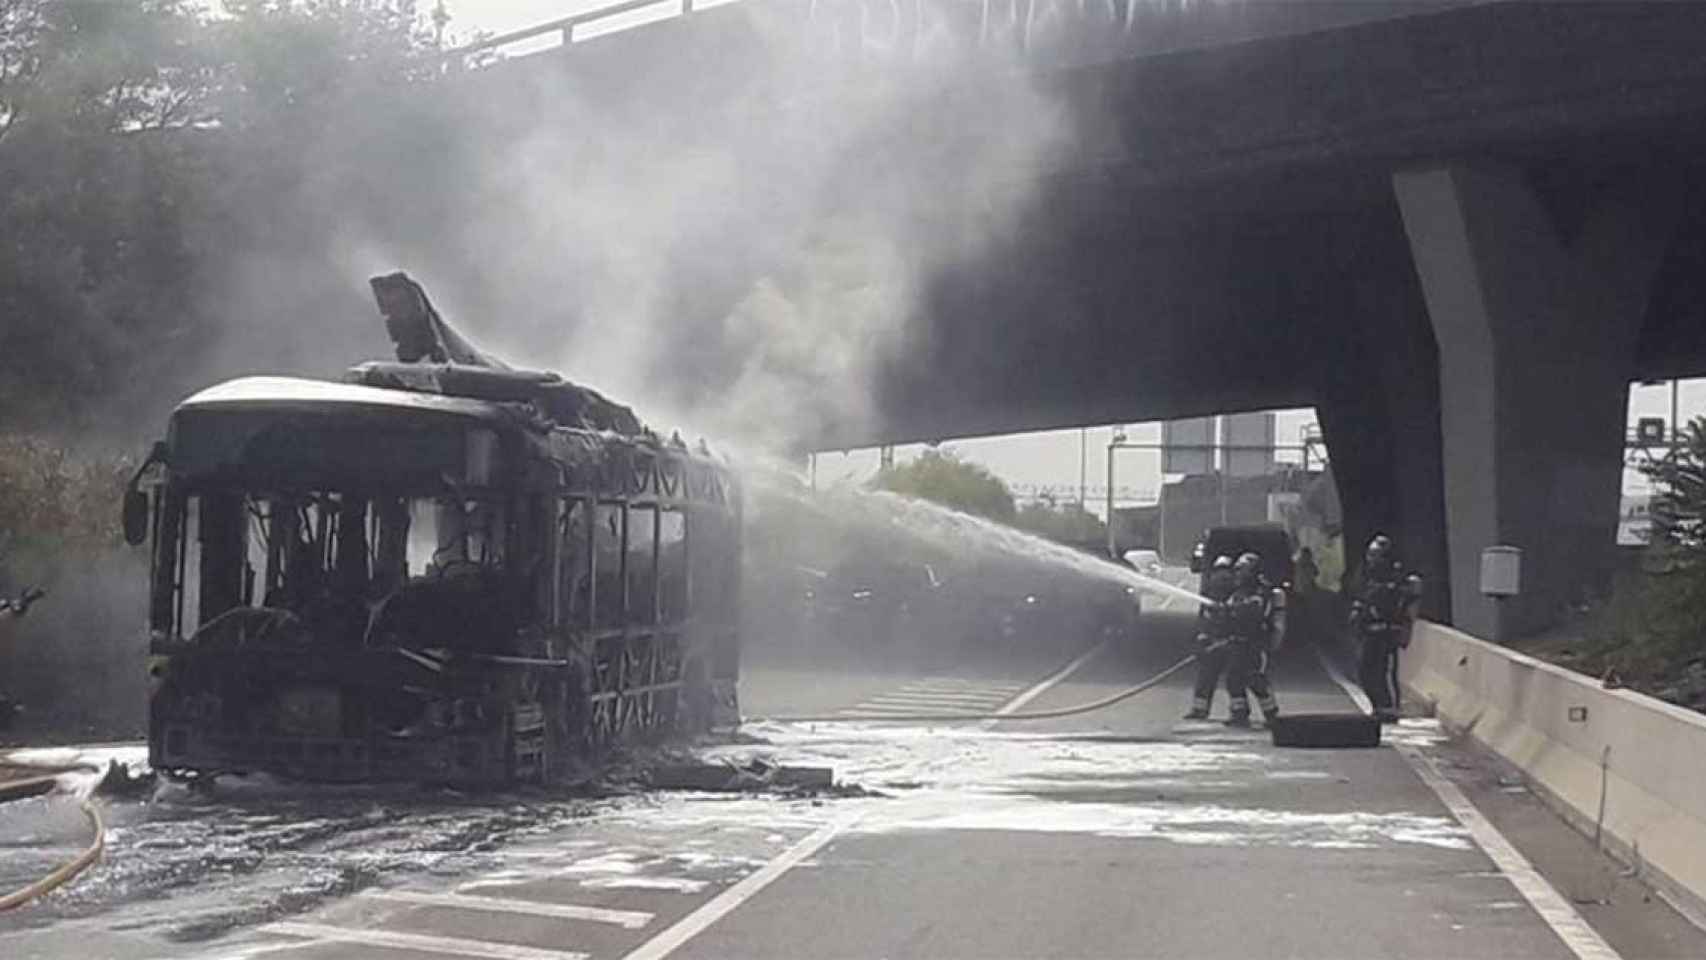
(908, 28)
(565, 26)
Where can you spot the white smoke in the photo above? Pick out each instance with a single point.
(814, 213)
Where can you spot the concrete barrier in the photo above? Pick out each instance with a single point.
(1623, 767)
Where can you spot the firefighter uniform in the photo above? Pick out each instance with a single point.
(1214, 630)
(1258, 623)
(1380, 619)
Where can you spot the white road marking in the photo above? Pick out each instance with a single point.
(452, 946)
(1582, 939)
(1013, 705)
(896, 717)
(873, 706)
(962, 697)
(959, 684)
(980, 697)
(632, 919)
(1351, 690)
(725, 903)
(913, 701)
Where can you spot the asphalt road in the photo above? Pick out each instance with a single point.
(1122, 833)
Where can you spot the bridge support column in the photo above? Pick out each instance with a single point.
(1536, 328)
(1378, 404)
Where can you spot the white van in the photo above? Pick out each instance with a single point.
(1146, 562)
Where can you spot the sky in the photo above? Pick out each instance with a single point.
(1029, 461)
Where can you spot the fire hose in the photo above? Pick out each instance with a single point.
(67, 872)
(1074, 710)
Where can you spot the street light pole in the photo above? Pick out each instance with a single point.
(1083, 476)
(1113, 444)
(1675, 427)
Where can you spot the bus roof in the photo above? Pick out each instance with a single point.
(297, 393)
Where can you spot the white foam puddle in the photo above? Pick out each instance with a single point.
(1181, 823)
(92, 755)
(609, 863)
(1419, 732)
(970, 779)
(694, 860)
(954, 756)
(676, 884)
(1131, 784)
(497, 876)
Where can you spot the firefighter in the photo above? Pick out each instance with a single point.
(1213, 632)
(1258, 626)
(1381, 614)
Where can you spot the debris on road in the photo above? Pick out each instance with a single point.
(1325, 730)
(756, 774)
(120, 781)
(17, 786)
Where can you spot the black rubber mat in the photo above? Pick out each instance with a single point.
(1325, 730)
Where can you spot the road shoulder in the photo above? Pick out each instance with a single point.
(1625, 911)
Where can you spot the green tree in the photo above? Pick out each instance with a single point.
(1063, 522)
(1679, 507)
(941, 477)
(155, 157)
(1673, 602)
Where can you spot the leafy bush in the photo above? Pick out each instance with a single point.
(76, 662)
(1674, 597)
(53, 500)
(1064, 522)
(1651, 633)
(941, 477)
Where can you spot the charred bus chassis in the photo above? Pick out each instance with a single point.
(441, 570)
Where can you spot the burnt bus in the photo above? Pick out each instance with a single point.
(438, 570)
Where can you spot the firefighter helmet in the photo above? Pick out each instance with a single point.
(1379, 548)
(1247, 567)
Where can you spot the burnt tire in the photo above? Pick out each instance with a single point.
(1325, 730)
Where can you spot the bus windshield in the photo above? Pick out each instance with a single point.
(313, 551)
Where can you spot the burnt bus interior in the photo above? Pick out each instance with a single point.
(353, 582)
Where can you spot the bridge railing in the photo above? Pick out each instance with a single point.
(924, 29)
(879, 27)
(582, 25)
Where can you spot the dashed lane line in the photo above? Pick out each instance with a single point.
(912, 699)
(1582, 939)
(958, 683)
(1042, 687)
(998, 695)
(972, 703)
(631, 919)
(726, 902)
(318, 933)
(892, 716)
(909, 709)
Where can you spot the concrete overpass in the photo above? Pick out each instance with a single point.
(1459, 231)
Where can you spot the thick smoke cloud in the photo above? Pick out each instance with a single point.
(739, 256)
